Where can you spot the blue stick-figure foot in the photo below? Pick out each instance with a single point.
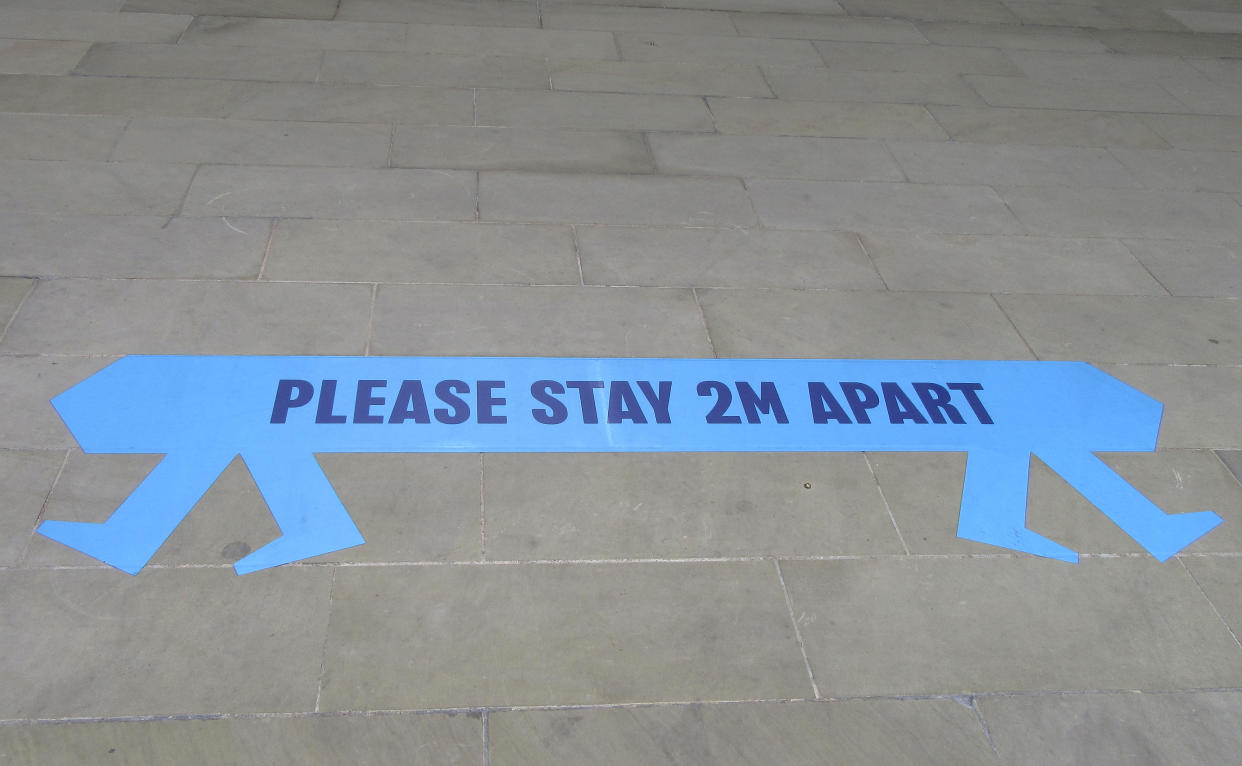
(994, 505)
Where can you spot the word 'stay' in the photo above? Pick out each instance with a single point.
(277, 412)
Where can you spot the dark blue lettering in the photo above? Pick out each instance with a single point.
(659, 402)
(861, 398)
(556, 412)
(327, 398)
(410, 403)
(723, 398)
(900, 408)
(461, 411)
(935, 400)
(485, 402)
(623, 404)
(824, 406)
(586, 395)
(286, 399)
(364, 401)
(766, 401)
(968, 390)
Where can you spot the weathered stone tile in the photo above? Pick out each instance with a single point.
(898, 122)
(537, 43)
(1047, 127)
(1057, 65)
(725, 50)
(1187, 728)
(299, 9)
(723, 258)
(1195, 216)
(592, 111)
(199, 61)
(559, 634)
(869, 325)
(295, 33)
(1218, 577)
(1010, 37)
(332, 193)
(1008, 165)
(926, 59)
(27, 383)
(1232, 461)
(1171, 43)
(648, 201)
(132, 246)
(25, 479)
(1071, 14)
(881, 87)
(487, 148)
(811, 158)
(1212, 99)
(1200, 402)
(1193, 269)
(114, 95)
(93, 26)
(69, 5)
(506, 321)
(387, 68)
(659, 77)
(643, 506)
(253, 142)
(347, 103)
(974, 11)
(889, 731)
(91, 316)
(817, 7)
(491, 13)
(924, 492)
(12, 293)
(383, 740)
(1188, 170)
(880, 206)
(92, 188)
(1128, 328)
(1008, 264)
(1094, 95)
(410, 251)
(58, 137)
(165, 642)
(1006, 624)
(815, 27)
(1209, 21)
(627, 19)
(40, 56)
(1223, 71)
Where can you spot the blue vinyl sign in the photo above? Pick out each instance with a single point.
(277, 412)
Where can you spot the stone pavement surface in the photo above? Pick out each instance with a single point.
(971, 179)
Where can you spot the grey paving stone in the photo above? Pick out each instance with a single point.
(93, 188)
(166, 642)
(591, 111)
(626, 19)
(1006, 624)
(975, 11)
(295, 33)
(1093, 95)
(905, 732)
(40, 56)
(1200, 403)
(58, 137)
(1009, 165)
(816, 118)
(92, 316)
(1195, 269)
(1057, 65)
(927, 59)
(332, 193)
(881, 87)
(1232, 461)
(1128, 328)
(315, 9)
(199, 61)
(723, 258)
(813, 27)
(811, 158)
(924, 492)
(1209, 21)
(871, 325)
(722, 49)
(659, 77)
(253, 142)
(1224, 71)
(388, 68)
(550, 43)
(68, 5)
(683, 506)
(817, 7)
(132, 246)
(491, 13)
(384, 740)
(1070, 14)
(25, 479)
(26, 385)
(94, 26)
(1195, 216)
(506, 321)
(879, 206)
(556, 634)
(1008, 264)
(114, 95)
(12, 294)
(1212, 99)
(1188, 170)
(1218, 577)
(347, 103)
(488, 148)
(1185, 728)
(1047, 127)
(407, 251)
(1171, 43)
(1010, 37)
(582, 198)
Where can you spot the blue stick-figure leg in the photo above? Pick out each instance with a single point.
(1162, 534)
(994, 505)
(137, 529)
(311, 518)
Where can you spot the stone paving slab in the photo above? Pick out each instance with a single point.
(591, 111)
(92, 26)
